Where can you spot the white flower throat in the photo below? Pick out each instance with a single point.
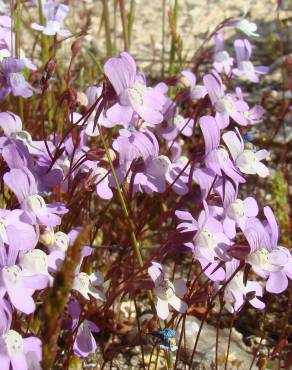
(13, 342)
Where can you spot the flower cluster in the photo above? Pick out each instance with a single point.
(128, 137)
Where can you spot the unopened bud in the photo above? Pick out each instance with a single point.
(82, 98)
(76, 47)
(183, 82)
(50, 67)
(47, 238)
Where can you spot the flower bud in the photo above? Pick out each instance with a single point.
(47, 237)
(76, 47)
(82, 98)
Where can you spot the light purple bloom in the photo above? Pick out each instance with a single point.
(245, 68)
(55, 15)
(237, 213)
(209, 244)
(268, 259)
(188, 79)
(23, 184)
(247, 160)
(134, 97)
(84, 342)
(226, 105)
(222, 60)
(217, 157)
(236, 291)
(16, 283)
(167, 293)
(12, 79)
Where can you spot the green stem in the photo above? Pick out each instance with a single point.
(107, 28)
(124, 24)
(131, 18)
(173, 39)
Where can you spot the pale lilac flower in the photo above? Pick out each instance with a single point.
(55, 15)
(209, 244)
(268, 259)
(247, 160)
(12, 79)
(245, 26)
(19, 286)
(237, 213)
(189, 80)
(84, 342)
(217, 157)
(23, 184)
(152, 175)
(222, 60)
(132, 144)
(134, 97)
(236, 291)
(15, 231)
(226, 105)
(253, 115)
(18, 352)
(245, 68)
(87, 284)
(167, 293)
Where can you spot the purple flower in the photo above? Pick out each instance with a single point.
(269, 260)
(247, 160)
(54, 20)
(245, 68)
(17, 284)
(236, 291)
(222, 61)
(226, 105)
(253, 115)
(24, 186)
(12, 80)
(21, 353)
(167, 293)
(217, 157)
(15, 231)
(188, 79)
(209, 244)
(237, 213)
(133, 94)
(84, 342)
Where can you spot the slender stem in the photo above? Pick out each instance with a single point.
(124, 24)
(107, 28)
(173, 21)
(131, 18)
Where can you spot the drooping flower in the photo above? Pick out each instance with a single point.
(84, 342)
(167, 293)
(55, 15)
